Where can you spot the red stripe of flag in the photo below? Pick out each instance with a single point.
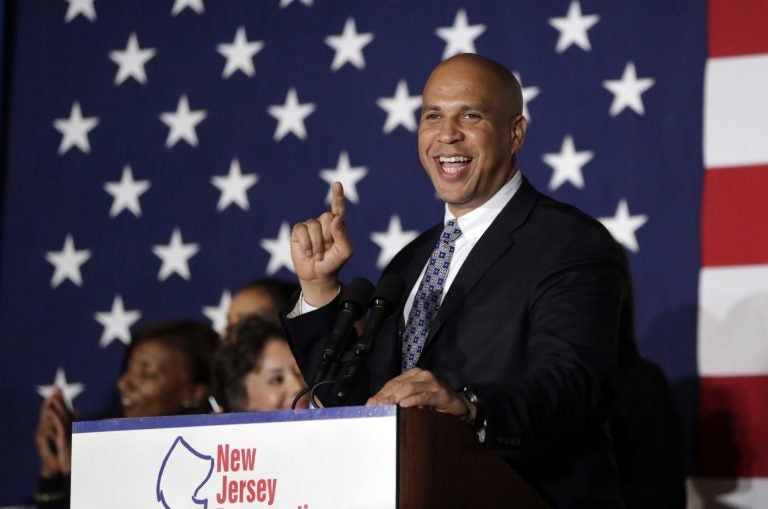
(734, 222)
(733, 434)
(738, 28)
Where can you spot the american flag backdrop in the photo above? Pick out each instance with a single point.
(156, 152)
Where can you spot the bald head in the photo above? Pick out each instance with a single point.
(470, 130)
(475, 68)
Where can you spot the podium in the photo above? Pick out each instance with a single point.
(441, 464)
(335, 458)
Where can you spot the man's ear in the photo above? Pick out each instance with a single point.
(519, 127)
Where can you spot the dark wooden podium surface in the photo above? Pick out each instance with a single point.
(441, 465)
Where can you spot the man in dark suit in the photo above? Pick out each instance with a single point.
(522, 345)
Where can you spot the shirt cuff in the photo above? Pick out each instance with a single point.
(303, 307)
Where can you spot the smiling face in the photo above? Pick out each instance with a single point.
(470, 130)
(155, 382)
(274, 381)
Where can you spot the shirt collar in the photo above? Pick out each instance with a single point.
(474, 223)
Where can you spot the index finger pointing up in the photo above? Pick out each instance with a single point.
(338, 206)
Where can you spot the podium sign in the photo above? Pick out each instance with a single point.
(305, 459)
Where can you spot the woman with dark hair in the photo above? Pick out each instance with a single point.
(255, 369)
(166, 371)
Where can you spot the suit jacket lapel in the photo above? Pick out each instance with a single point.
(496, 240)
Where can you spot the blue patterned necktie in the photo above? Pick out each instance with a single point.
(429, 295)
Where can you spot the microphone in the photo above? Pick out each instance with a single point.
(385, 300)
(354, 302)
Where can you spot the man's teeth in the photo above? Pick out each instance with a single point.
(455, 159)
(459, 161)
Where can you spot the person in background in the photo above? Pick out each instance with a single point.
(53, 441)
(645, 427)
(255, 369)
(166, 371)
(263, 297)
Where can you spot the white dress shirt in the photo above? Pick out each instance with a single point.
(473, 225)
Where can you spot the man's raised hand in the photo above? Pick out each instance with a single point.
(319, 249)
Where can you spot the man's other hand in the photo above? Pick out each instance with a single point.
(420, 388)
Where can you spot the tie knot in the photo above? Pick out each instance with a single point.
(451, 232)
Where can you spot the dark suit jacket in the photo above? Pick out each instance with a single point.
(530, 321)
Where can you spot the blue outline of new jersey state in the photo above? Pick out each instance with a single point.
(209, 459)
